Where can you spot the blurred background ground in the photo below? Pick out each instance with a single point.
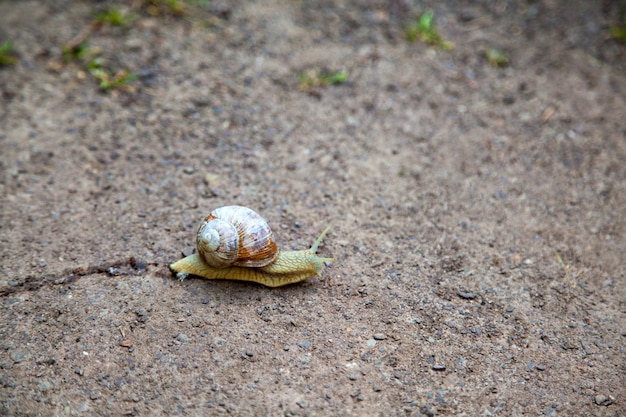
(476, 197)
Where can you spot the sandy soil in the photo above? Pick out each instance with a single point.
(477, 213)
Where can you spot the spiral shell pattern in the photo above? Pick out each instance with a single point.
(236, 236)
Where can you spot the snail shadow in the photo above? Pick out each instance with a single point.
(235, 292)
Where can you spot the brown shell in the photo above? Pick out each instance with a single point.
(236, 235)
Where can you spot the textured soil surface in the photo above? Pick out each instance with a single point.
(477, 212)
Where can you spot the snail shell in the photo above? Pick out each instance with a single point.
(236, 236)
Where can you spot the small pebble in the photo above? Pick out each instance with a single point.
(82, 407)
(439, 368)
(466, 295)
(45, 386)
(603, 400)
(18, 356)
(379, 336)
(304, 344)
(353, 377)
(540, 367)
(121, 285)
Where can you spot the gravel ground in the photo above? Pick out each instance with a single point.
(476, 211)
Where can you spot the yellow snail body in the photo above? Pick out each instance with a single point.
(236, 243)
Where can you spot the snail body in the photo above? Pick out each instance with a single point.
(236, 243)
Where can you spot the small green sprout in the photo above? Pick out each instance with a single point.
(329, 78)
(6, 54)
(424, 29)
(77, 52)
(94, 62)
(496, 58)
(317, 78)
(175, 7)
(115, 17)
(619, 31)
(108, 82)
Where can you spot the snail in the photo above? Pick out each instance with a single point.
(235, 242)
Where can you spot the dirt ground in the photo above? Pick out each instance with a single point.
(477, 212)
